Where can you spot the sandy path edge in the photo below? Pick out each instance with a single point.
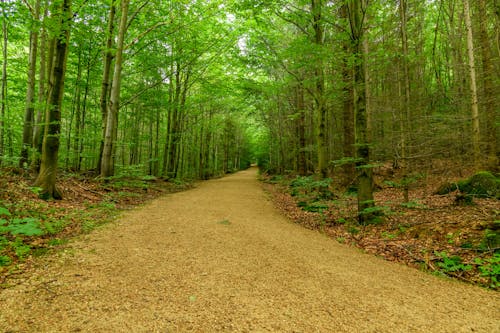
(220, 258)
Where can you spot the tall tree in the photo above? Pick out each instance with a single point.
(3, 89)
(29, 112)
(38, 126)
(489, 75)
(357, 13)
(106, 77)
(476, 136)
(46, 179)
(404, 117)
(319, 98)
(108, 161)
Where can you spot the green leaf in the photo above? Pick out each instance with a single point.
(4, 211)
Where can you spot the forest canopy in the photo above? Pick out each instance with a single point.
(191, 89)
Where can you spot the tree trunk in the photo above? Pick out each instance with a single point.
(348, 109)
(30, 92)
(405, 110)
(108, 162)
(106, 76)
(476, 136)
(42, 101)
(46, 179)
(489, 91)
(302, 161)
(320, 89)
(3, 90)
(357, 11)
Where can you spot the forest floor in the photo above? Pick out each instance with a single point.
(88, 203)
(221, 258)
(430, 232)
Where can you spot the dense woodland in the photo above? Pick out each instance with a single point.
(187, 89)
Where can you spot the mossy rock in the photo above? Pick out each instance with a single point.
(446, 188)
(482, 185)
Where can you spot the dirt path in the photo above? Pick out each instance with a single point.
(220, 258)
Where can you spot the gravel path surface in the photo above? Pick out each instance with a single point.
(220, 258)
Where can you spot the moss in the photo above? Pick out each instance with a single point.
(482, 185)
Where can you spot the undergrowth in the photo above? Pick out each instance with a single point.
(31, 227)
(428, 232)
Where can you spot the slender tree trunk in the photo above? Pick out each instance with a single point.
(78, 113)
(476, 136)
(3, 90)
(348, 108)
(42, 101)
(316, 7)
(108, 163)
(81, 131)
(106, 77)
(357, 11)
(490, 93)
(30, 92)
(48, 169)
(405, 110)
(302, 161)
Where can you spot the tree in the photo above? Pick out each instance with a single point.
(3, 89)
(489, 92)
(476, 136)
(29, 112)
(107, 161)
(357, 12)
(106, 75)
(46, 179)
(320, 87)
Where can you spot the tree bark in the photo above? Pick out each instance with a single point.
(3, 90)
(348, 108)
(316, 7)
(42, 100)
(46, 179)
(301, 127)
(357, 11)
(404, 116)
(476, 136)
(108, 162)
(106, 76)
(489, 91)
(30, 92)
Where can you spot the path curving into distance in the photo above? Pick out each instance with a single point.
(220, 258)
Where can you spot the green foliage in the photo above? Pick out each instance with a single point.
(490, 269)
(346, 161)
(315, 207)
(36, 190)
(4, 211)
(405, 182)
(27, 226)
(375, 214)
(21, 249)
(388, 235)
(491, 240)
(5, 261)
(451, 264)
(319, 189)
(313, 194)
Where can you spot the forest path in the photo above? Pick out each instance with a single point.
(220, 258)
